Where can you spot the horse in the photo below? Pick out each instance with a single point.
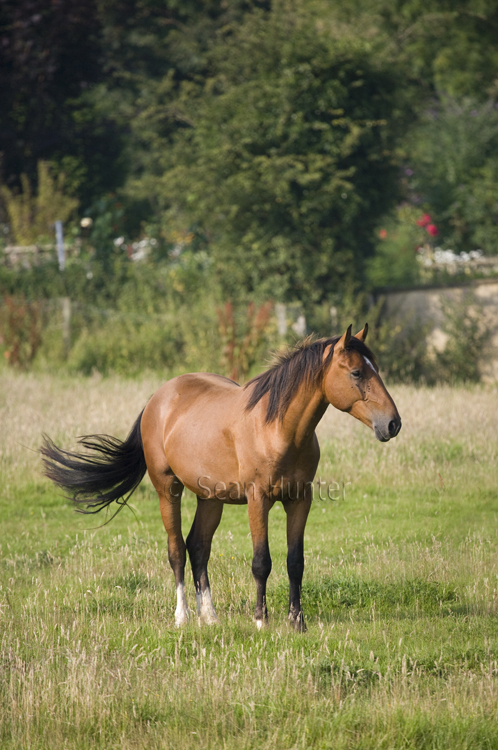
(251, 445)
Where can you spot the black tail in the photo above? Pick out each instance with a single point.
(93, 482)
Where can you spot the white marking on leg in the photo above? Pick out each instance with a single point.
(205, 608)
(181, 613)
(259, 624)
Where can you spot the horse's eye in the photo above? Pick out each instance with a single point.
(356, 374)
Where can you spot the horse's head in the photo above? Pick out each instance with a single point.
(352, 383)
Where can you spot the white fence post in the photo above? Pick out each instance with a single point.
(61, 256)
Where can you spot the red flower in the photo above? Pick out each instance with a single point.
(432, 230)
(426, 219)
(383, 234)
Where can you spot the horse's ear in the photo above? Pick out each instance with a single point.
(363, 333)
(343, 341)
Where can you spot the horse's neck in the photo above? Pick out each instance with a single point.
(305, 411)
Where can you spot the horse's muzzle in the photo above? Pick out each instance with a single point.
(386, 431)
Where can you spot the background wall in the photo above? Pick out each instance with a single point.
(427, 307)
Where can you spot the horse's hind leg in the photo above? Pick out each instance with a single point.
(206, 521)
(170, 497)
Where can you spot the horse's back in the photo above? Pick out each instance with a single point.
(190, 396)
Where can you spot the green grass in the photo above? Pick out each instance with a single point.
(400, 594)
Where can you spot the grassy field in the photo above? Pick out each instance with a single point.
(400, 593)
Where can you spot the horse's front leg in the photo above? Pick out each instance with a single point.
(259, 507)
(297, 514)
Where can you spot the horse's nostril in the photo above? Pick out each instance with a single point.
(393, 427)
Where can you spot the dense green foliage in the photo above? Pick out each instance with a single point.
(454, 156)
(288, 148)
(241, 152)
(262, 113)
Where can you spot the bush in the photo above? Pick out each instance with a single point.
(395, 261)
(243, 338)
(21, 326)
(406, 355)
(452, 159)
(401, 347)
(467, 336)
(126, 347)
(197, 337)
(32, 217)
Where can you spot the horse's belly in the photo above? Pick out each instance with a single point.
(215, 487)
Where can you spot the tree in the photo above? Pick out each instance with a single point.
(289, 160)
(445, 46)
(71, 75)
(50, 54)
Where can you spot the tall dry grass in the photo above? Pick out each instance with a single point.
(66, 407)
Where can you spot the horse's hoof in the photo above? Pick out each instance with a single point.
(205, 609)
(181, 618)
(297, 622)
(208, 618)
(261, 622)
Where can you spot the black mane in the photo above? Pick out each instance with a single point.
(303, 363)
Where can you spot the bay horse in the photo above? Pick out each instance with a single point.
(249, 445)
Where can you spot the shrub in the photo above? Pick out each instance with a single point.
(395, 261)
(453, 155)
(32, 216)
(468, 334)
(404, 350)
(400, 345)
(243, 343)
(21, 326)
(126, 347)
